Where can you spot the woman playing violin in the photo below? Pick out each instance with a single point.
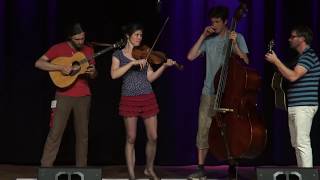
(137, 97)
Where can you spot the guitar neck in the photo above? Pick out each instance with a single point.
(85, 60)
(102, 51)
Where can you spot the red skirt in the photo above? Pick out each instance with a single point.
(143, 105)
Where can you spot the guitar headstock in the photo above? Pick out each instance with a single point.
(120, 43)
(271, 45)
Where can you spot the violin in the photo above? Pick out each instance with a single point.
(152, 57)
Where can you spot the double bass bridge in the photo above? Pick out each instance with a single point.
(223, 110)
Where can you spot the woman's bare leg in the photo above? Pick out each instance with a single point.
(131, 130)
(151, 146)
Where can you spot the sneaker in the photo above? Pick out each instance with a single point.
(198, 174)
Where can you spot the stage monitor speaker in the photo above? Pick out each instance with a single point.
(62, 173)
(279, 173)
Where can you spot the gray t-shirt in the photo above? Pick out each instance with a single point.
(215, 50)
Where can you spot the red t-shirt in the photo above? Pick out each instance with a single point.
(80, 87)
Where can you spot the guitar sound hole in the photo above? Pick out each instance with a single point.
(75, 68)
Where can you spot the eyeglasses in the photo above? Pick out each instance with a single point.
(293, 36)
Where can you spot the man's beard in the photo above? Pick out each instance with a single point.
(76, 46)
(293, 46)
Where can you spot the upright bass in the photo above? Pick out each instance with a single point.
(237, 131)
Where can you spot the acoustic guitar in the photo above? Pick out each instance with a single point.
(277, 86)
(79, 63)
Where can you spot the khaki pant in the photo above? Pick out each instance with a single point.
(300, 122)
(205, 117)
(80, 107)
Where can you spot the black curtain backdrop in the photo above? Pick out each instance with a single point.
(29, 28)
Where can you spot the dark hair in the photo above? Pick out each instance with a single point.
(73, 29)
(130, 28)
(219, 12)
(304, 31)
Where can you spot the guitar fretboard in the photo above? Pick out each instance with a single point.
(85, 60)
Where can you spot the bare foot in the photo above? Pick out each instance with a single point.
(151, 174)
(132, 177)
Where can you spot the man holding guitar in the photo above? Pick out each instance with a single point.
(302, 92)
(75, 97)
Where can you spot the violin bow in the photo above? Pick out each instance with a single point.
(157, 38)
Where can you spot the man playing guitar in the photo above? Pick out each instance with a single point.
(75, 97)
